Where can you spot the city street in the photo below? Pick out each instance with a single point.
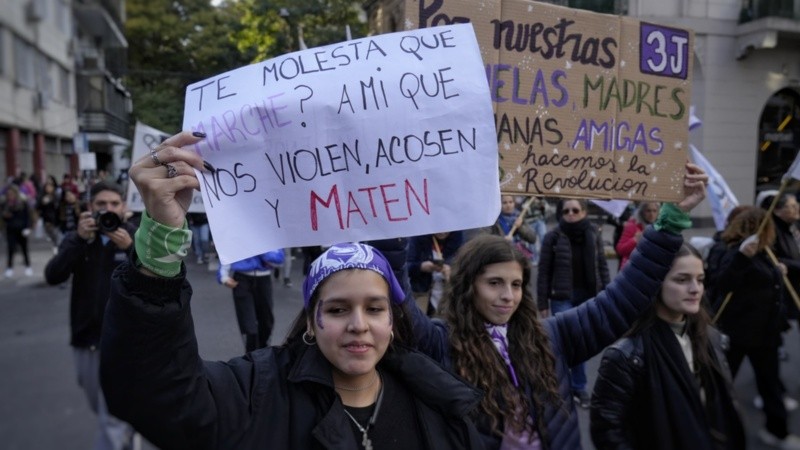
(43, 407)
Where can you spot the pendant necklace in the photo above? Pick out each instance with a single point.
(365, 440)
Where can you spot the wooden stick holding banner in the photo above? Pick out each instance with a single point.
(522, 214)
(786, 280)
(793, 173)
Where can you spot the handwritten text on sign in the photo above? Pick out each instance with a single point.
(587, 105)
(373, 138)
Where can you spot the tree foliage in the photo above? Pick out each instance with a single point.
(270, 27)
(173, 43)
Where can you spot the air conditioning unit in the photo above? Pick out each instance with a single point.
(35, 10)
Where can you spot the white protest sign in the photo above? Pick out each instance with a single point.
(386, 136)
(146, 138)
(87, 161)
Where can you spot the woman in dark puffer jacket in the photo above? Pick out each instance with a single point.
(667, 385)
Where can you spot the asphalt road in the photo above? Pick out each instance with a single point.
(42, 406)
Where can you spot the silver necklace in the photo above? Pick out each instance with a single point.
(365, 440)
(359, 388)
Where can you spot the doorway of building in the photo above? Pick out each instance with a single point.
(778, 138)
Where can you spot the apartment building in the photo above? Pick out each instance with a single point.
(60, 90)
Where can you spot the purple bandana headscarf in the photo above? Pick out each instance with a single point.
(350, 255)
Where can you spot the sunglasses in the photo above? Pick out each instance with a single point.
(571, 211)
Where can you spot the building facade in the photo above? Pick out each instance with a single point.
(37, 94)
(60, 66)
(746, 86)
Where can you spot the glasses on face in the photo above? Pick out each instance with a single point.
(571, 211)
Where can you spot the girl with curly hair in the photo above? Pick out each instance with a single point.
(491, 336)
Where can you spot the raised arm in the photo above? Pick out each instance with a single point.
(151, 372)
(595, 324)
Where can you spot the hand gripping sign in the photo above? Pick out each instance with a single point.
(385, 136)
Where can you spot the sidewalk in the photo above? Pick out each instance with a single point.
(40, 252)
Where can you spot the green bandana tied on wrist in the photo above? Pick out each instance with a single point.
(161, 248)
(672, 219)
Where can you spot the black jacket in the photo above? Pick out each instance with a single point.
(787, 251)
(90, 265)
(554, 281)
(273, 398)
(575, 337)
(420, 249)
(754, 316)
(621, 409)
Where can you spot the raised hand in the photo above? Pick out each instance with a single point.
(694, 187)
(165, 178)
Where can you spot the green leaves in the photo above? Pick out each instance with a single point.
(173, 43)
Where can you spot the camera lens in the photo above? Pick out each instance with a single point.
(107, 221)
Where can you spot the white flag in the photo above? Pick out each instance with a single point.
(614, 207)
(719, 194)
(794, 170)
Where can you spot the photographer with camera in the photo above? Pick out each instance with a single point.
(90, 254)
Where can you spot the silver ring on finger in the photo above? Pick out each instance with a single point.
(155, 159)
(172, 172)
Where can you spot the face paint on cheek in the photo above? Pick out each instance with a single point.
(318, 316)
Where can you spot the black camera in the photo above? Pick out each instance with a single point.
(107, 221)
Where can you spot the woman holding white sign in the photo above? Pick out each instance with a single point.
(492, 337)
(342, 380)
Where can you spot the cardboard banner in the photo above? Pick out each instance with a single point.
(586, 105)
(146, 138)
(374, 138)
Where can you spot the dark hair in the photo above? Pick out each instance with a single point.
(473, 353)
(746, 223)
(783, 199)
(583, 203)
(101, 186)
(401, 322)
(697, 325)
(735, 212)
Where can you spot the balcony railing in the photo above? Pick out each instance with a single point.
(759, 9)
(103, 122)
(105, 104)
(618, 7)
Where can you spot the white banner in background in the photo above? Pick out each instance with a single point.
(145, 138)
(613, 207)
(389, 135)
(720, 195)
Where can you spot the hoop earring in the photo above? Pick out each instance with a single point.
(391, 336)
(309, 339)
